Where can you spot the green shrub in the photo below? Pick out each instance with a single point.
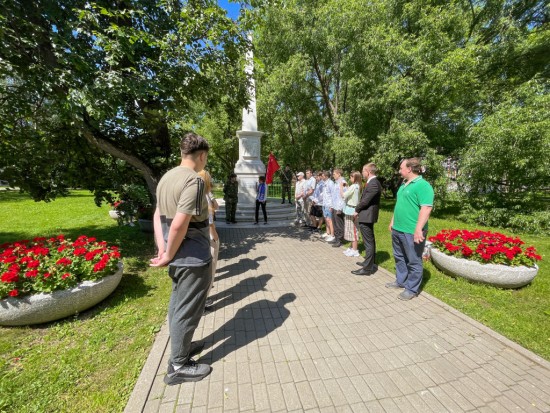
(515, 218)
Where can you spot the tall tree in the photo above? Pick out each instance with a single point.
(89, 90)
(385, 79)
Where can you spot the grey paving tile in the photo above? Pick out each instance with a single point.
(352, 349)
(337, 396)
(276, 398)
(291, 397)
(261, 398)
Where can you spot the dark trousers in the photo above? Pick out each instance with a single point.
(367, 232)
(258, 203)
(286, 191)
(338, 219)
(190, 286)
(230, 210)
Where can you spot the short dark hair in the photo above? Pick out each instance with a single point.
(192, 142)
(415, 164)
(262, 178)
(232, 176)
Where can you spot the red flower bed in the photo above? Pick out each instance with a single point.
(485, 246)
(49, 264)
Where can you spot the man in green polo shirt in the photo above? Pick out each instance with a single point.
(409, 226)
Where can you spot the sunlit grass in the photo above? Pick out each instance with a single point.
(89, 362)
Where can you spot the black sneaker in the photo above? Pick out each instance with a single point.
(192, 371)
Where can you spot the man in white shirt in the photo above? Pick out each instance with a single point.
(309, 188)
(338, 205)
(299, 198)
(326, 197)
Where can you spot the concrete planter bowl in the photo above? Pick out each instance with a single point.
(502, 276)
(46, 307)
(114, 214)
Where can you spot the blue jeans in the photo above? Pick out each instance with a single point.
(408, 260)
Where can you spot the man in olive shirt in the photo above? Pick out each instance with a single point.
(182, 237)
(409, 226)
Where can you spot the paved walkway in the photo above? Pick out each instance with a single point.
(295, 331)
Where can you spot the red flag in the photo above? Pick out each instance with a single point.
(272, 167)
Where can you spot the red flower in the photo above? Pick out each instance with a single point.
(9, 277)
(64, 261)
(13, 293)
(61, 248)
(79, 251)
(66, 275)
(47, 275)
(31, 274)
(467, 251)
(99, 266)
(33, 264)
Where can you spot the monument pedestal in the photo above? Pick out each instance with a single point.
(249, 166)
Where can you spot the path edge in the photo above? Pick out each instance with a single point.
(140, 393)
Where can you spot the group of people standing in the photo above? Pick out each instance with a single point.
(188, 243)
(347, 209)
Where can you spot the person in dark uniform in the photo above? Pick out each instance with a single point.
(231, 197)
(286, 181)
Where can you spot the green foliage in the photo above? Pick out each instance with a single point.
(515, 218)
(348, 81)
(508, 157)
(132, 200)
(83, 86)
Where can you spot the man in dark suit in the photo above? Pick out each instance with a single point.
(367, 213)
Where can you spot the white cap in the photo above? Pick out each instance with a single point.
(300, 173)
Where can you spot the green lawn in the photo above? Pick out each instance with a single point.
(522, 315)
(90, 362)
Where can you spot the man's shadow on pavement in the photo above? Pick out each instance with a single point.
(252, 322)
(245, 264)
(241, 290)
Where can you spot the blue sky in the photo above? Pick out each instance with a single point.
(231, 7)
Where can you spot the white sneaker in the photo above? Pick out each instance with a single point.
(329, 238)
(325, 235)
(353, 253)
(346, 251)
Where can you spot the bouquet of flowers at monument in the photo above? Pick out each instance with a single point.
(44, 265)
(485, 247)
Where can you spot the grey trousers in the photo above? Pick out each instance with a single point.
(190, 287)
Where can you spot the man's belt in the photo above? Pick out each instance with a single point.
(199, 224)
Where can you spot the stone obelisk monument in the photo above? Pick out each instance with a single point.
(249, 166)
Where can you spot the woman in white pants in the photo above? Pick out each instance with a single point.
(214, 238)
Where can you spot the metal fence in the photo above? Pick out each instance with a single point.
(275, 190)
